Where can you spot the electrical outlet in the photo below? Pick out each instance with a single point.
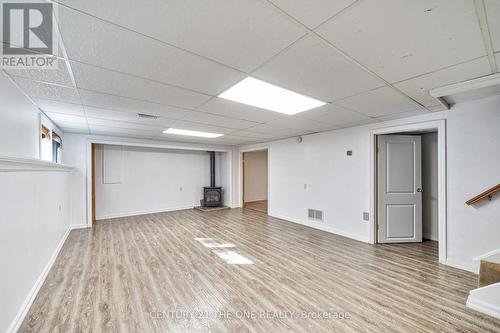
(366, 216)
(60, 208)
(305, 186)
(180, 188)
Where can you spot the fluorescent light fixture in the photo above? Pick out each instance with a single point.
(270, 97)
(178, 131)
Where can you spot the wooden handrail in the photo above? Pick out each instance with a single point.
(485, 195)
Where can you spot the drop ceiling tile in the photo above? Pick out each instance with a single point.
(47, 91)
(312, 12)
(252, 135)
(105, 81)
(379, 102)
(403, 39)
(131, 117)
(277, 131)
(228, 108)
(242, 34)
(59, 75)
(361, 123)
(130, 112)
(118, 103)
(302, 124)
(210, 119)
(154, 130)
(493, 15)
(60, 107)
(66, 118)
(125, 51)
(403, 115)
(201, 127)
(120, 132)
(74, 130)
(184, 139)
(418, 88)
(333, 114)
(313, 68)
(235, 140)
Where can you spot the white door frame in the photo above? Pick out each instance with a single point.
(240, 176)
(179, 146)
(440, 127)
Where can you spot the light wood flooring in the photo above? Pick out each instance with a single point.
(260, 206)
(148, 274)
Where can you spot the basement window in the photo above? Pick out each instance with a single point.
(56, 147)
(45, 144)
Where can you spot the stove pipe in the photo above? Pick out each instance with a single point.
(212, 168)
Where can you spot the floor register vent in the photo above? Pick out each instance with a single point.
(315, 214)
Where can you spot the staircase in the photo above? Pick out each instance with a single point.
(486, 298)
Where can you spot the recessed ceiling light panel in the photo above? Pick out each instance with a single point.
(178, 131)
(267, 96)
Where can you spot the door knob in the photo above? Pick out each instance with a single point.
(419, 189)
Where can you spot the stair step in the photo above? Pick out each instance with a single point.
(486, 300)
(489, 271)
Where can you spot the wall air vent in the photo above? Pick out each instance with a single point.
(147, 116)
(314, 214)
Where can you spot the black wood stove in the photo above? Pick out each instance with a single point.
(212, 195)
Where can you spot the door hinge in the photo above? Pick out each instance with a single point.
(378, 150)
(378, 227)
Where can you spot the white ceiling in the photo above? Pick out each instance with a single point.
(369, 60)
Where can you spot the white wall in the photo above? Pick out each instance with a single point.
(255, 176)
(430, 220)
(339, 185)
(76, 154)
(35, 215)
(19, 122)
(318, 174)
(152, 180)
(35, 208)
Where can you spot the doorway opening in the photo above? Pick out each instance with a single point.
(407, 195)
(255, 180)
(408, 180)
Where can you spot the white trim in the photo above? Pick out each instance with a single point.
(144, 212)
(16, 164)
(461, 87)
(477, 260)
(440, 126)
(107, 141)
(484, 307)
(321, 226)
(258, 147)
(466, 266)
(179, 146)
(78, 226)
(23, 310)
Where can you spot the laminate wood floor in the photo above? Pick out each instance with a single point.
(149, 274)
(260, 206)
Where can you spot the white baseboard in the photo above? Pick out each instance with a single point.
(490, 310)
(485, 300)
(477, 260)
(466, 266)
(254, 200)
(78, 226)
(21, 314)
(323, 227)
(144, 212)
